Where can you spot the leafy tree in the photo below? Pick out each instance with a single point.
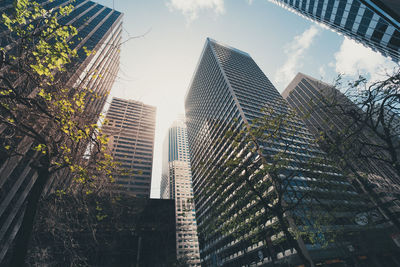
(41, 113)
(274, 186)
(360, 129)
(73, 226)
(104, 228)
(182, 262)
(376, 113)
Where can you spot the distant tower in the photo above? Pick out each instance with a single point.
(373, 23)
(131, 128)
(176, 183)
(308, 97)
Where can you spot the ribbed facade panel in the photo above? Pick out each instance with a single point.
(131, 129)
(373, 23)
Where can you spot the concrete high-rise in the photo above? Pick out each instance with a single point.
(131, 128)
(176, 183)
(228, 90)
(373, 23)
(324, 108)
(99, 28)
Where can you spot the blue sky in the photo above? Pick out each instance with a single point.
(157, 68)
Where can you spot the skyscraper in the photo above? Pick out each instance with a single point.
(373, 23)
(99, 28)
(176, 183)
(131, 128)
(311, 99)
(228, 90)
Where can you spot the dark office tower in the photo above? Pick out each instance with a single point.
(229, 89)
(176, 183)
(131, 127)
(311, 99)
(373, 23)
(99, 28)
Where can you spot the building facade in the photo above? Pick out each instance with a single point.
(373, 23)
(228, 90)
(176, 183)
(131, 128)
(99, 28)
(312, 99)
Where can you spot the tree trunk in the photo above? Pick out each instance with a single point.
(270, 247)
(293, 242)
(25, 231)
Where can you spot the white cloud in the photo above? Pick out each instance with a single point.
(295, 52)
(322, 71)
(354, 59)
(191, 8)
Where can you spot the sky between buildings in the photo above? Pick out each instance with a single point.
(157, 68)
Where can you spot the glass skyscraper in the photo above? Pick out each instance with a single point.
(373, 23)
(99, 28)
(176, 183)
(228, 88)
(131, 128)
(312, 100)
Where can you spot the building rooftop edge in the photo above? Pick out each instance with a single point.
(132, 101)
(297, 79)
(228, 46)
(210, 40)
(290, 87)
(195, 70)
